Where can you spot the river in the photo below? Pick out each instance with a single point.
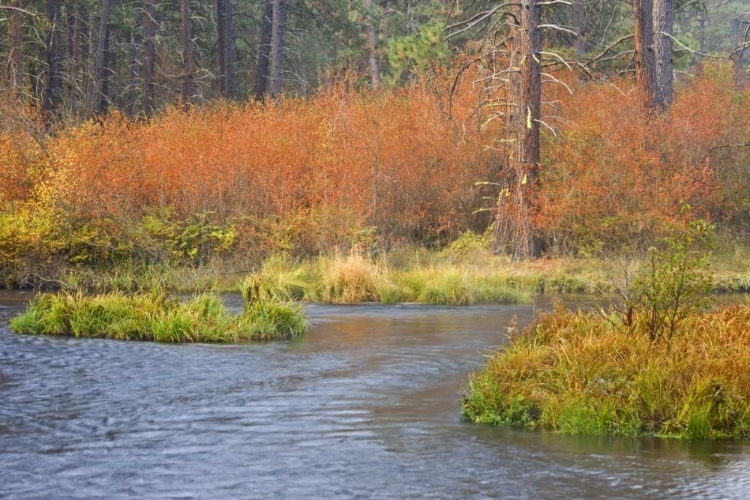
(365, 405)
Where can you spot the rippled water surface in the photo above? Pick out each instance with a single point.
(366, 405)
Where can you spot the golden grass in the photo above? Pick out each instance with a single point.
(576, 372)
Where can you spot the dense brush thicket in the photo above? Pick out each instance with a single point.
(348, 168)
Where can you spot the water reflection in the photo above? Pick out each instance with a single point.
(366, 405)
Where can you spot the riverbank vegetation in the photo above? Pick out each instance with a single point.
(658, 362)
(200, 200)
(576, 372)
(157, 317)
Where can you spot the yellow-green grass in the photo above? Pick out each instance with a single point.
(354, 278)
(156, 317)
(578, 373)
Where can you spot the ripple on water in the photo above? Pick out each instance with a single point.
(364, 406)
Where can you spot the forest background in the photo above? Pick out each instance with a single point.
(199, 134)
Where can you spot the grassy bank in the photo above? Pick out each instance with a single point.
(157, 317)
(354, 278)
(465, 272)
(578, 373)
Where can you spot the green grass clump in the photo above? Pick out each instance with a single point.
(269, 320)
(156, 317)
(578, 373)
(451, 285)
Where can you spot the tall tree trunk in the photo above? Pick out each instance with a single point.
(101, 70)
(71, 25)
(515, 232)
(663, 51)
(104, 97)
(579, 23)
(645, 61)
(221, 45)
(16, 49)
(53, 82)
(230, 57)
(372, 42)
(188, 65)
(277, 47)
(149, 35)
(225, 49)
(134, 69)
(88, 88)
(264, 52)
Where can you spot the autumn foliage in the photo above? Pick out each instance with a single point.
(346, 167)
(612, 178)
(304, 174)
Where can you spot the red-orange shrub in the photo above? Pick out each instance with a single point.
(613, 178)
(310, 171)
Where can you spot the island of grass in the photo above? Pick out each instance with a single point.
(157, 317)
(581, 373)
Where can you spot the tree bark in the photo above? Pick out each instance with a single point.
(101, 71)
(220, 44)
(663, 51)
(264, 52)
(225, 46)
(515, 231)
(372, 42)
(53, 82)
(149, 35)
(278, 48)
(86, 21)
(645, 61)
(188, 65)
(231, 50)
(16, 49)
(579, 23)
(134, 69)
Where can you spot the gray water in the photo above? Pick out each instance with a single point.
(366, 405)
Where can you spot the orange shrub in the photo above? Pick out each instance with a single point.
(343, 166)
(391, 161)
(613, 178)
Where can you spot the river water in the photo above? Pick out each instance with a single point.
(366, 405)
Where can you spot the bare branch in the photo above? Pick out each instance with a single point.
(552, 79)
(559, 28)
(548, 127)
(685, 47)
(559, 57)
(609, 48)
(17, 9)
(477, 19)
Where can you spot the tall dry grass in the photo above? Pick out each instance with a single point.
(575, 372)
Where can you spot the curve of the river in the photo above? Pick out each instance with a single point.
(366, 405)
